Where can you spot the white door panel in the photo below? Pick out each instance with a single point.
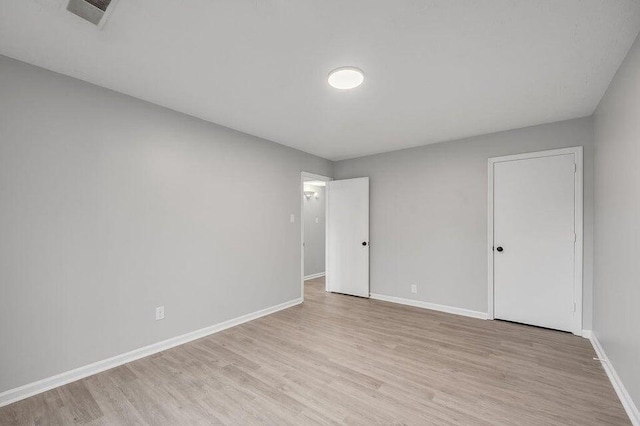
(347, 230)
(534, 226)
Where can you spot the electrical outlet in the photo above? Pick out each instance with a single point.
(414, 289)
(317, 220)
(159, 313)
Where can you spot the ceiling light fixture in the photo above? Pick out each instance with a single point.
(346, 78)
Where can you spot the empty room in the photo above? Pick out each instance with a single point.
(279, 212)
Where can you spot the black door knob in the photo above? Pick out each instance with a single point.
(500, 249)
(364, 243)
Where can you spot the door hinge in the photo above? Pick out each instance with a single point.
(575, 168)
(575, 237)
(574, 307)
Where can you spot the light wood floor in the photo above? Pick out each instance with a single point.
(344, 360)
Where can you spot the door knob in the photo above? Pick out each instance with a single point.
(364, 243)
(500, 249)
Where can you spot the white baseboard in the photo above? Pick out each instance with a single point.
(432, 306)
(587, 334)
(25, 391)
(313, 276)
(618, 386)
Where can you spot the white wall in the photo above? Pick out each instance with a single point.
(314, 233)
(111, 206)
(616, 317)
(429, 212)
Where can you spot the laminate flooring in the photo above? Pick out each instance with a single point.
(344, 360)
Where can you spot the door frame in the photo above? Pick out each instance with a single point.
(579, 229)
(306, 175)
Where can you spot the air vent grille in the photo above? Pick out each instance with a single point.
(90, 10)
(100, 4)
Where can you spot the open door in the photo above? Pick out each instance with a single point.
(348, 236)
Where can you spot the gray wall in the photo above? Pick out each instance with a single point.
(111, 206)
(429, 212)
(616, 317)
(314, 233)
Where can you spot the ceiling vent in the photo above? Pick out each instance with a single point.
(94, 11)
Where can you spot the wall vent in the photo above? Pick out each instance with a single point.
(94, 11)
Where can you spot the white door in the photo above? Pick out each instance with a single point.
(348, 236)
(534, 238)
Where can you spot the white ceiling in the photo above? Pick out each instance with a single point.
(435, 70)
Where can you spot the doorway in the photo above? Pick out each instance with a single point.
(314, 229)
(535, 239)
(335, 234)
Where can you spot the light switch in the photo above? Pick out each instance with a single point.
(292, 218)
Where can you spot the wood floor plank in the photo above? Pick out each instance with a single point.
(338, 360)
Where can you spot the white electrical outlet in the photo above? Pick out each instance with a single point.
(317, 220)
(414, 289)
(159, 313)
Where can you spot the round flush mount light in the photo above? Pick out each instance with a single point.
(346, 78)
